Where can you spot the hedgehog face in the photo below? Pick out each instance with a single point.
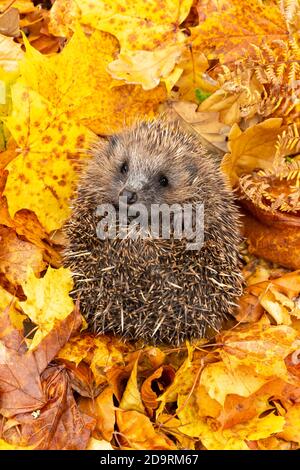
(149, 172)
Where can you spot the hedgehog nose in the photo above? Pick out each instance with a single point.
(130, 195)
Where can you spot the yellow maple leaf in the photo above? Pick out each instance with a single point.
(43, 176)
(138, 26)
(48, 300)
(95, 444)
(262, 348)
(210, 431)
(139, 433)
(149, 34)
(82, 87)
(235, 101)
(220, 381)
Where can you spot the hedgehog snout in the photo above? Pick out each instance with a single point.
(130, 195)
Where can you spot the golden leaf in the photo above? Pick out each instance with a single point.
(47, 301)
(131, 399)
(43, 176)
(139, 433)
(251, 149)
(82, 87)
(246, 23)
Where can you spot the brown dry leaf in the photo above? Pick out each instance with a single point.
(16, 255)
(150, 37)
(20, 382)
(45, 428)
(137, 432)
(183, 381)
(278, 244)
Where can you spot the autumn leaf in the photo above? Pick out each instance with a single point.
(35, 125)
(276, 242)
(103, 410)
(210, 130)
(246, 23)
(161, 378)
(20, 370)
(253, 148)
(131, 399)
(16, 255)
(93, 102)
(150, 38)
(138, 432)
(47, 301)
(228, 72)
(276, 296)
(24, 6)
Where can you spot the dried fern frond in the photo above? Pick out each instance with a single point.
(278, 187)
(290, 10)
(275, 70)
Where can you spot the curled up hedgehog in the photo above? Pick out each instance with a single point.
(151, 287)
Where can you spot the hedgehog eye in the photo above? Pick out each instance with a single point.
(163, 181)
(124, 168)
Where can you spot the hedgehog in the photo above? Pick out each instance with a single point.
(153, 288)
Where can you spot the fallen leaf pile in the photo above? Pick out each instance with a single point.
(72, 71)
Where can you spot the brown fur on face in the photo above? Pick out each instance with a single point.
(152, 150)
(155, 289)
